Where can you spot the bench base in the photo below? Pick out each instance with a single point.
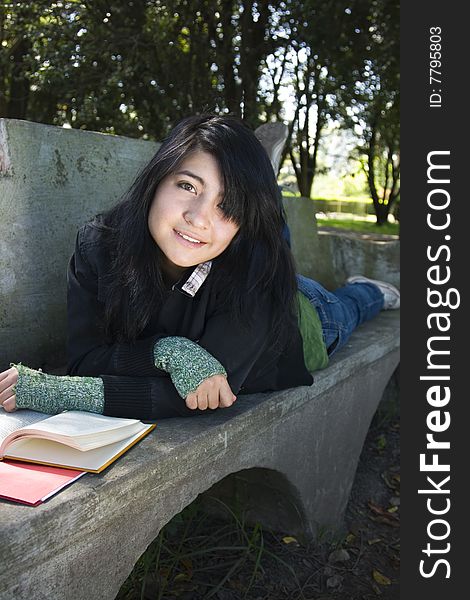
(294, 452)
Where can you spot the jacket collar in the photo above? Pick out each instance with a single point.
(195, 280)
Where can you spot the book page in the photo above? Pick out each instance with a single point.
(53, 453)
(80, 430)
(81, 423)
(10, 422)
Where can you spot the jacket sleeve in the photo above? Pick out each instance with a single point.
(88, 351)
(147, 398)
(236, 348)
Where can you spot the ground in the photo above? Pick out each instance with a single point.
(199, 557)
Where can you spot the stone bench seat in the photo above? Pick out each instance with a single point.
(291, 454)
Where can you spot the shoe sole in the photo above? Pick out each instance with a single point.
(362, 279)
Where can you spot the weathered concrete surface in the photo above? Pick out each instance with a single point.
(347, 255)
(303, 445)
(304, 236)
(330, 257)
(51, 181)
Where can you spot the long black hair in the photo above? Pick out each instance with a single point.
(257, 262)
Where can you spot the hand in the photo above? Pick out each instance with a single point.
(8, 379)
(213, 392)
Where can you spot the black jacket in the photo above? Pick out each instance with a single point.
(133, 386)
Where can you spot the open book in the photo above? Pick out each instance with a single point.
(72, 440)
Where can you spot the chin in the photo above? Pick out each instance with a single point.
(184, 264)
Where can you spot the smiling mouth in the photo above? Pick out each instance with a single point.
(189, 239)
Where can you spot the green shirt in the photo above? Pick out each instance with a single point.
(315, 355)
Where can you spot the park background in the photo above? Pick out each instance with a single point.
(330, 71)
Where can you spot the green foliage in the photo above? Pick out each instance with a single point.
(371, 107)
(135, 67)
(132, 68)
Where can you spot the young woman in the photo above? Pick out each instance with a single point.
(184, 295)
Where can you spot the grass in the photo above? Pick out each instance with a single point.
(360, 225)
(196, 555)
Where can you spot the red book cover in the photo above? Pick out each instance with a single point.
(32, 484)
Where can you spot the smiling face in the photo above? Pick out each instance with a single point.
(185, 218)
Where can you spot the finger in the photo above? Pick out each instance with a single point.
(4, 374)
(227, 398)
(191, 401)
(10, 404)
(7, 393)
(213, 399)
(9, 378)
(202, 401)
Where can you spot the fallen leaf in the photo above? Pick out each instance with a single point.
(382, 512)
(393, 509)
(288, 539)
(181, 577)
(379, 578)
(386, 521)
(350, 538)
(374, 541)
(339, 555)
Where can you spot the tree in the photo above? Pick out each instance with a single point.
(372, 109)
(132, 67)
(322, 52)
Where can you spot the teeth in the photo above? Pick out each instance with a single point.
(186, 237)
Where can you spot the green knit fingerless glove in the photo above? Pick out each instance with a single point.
(53, 394)
(187, 363)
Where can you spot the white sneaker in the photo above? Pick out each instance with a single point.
(390, 292)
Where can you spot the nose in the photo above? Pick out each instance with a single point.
(199, 213)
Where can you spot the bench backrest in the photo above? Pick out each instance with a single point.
(52, 180)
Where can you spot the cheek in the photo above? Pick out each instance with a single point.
(152, 218)
(229, 232)
(159, 213)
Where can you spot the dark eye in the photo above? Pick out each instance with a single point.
(185, 185)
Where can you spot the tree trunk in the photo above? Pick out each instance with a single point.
(226, 58)
(381, 209)
(19, 84)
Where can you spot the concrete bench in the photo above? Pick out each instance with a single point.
(290, 455)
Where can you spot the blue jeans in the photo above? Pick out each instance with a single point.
(343, 310)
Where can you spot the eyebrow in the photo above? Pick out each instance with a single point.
(191, 174)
